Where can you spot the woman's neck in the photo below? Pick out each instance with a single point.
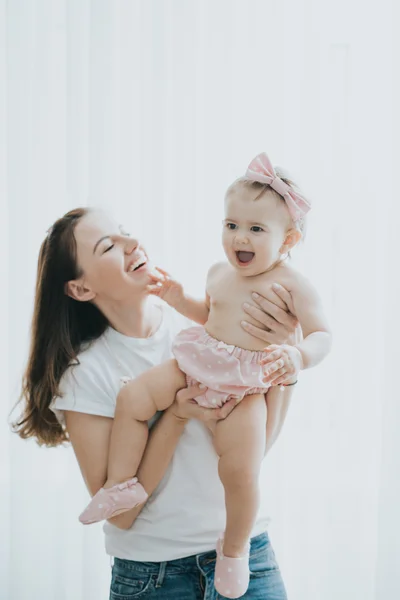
(139, 320)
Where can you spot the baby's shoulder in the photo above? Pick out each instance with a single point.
(291, 276)
(286, 276)
(298, 285)
(217, 270)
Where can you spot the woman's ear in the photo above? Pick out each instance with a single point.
(77, 290)
(293, 236)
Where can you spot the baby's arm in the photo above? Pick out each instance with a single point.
(195, 310)
(284, 362)
(172, 293)
(317, 338)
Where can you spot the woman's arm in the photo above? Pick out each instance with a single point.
(278, 402)
(90, 436)
(277, 314)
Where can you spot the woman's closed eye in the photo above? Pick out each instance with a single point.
(109, 248)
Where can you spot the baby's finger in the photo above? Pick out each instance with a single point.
(272, 376)
(273, 379)
(163, 272)
(278, 364)
(271, 357)
(271, 348)
(155, 277)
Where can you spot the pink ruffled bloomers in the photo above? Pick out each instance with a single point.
(226, 371)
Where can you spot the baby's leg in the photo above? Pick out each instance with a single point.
(240, 443)
(137, 402)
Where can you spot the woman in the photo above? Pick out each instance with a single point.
(94, 325)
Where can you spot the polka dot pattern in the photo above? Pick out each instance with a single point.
(232, 575)
(226, 371)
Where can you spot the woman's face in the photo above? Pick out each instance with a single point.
(114, 265)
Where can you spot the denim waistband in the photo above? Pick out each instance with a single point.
(258, 544)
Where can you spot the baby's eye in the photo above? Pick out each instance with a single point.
(231, 226)
(256, 229)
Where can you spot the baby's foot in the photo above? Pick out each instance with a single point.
(109, 502)
(231, 574)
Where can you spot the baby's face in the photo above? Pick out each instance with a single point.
(254, 230)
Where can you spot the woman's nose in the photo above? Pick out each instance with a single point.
(130, 245)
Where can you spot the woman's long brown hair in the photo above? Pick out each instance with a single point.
(60, 325)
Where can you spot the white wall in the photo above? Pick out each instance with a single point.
(151, 108)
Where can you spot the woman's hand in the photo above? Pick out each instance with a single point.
(185, 407)
(278, 324)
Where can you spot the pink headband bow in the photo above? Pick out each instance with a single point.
(260, 169)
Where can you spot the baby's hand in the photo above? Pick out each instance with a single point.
(166, 288)
(282, 365)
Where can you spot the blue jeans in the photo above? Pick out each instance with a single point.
(192, 578)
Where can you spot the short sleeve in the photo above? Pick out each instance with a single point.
(85, 389)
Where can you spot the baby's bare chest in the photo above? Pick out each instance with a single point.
(228, 290)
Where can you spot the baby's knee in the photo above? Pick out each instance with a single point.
(239, 475)
(131, 403)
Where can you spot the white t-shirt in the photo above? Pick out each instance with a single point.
(186, 513)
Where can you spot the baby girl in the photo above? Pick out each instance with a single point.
(264, 220)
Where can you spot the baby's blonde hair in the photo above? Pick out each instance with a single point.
(264, 187)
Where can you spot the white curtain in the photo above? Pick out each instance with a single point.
(150, 108)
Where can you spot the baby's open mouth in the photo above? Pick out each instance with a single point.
(244, 258)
